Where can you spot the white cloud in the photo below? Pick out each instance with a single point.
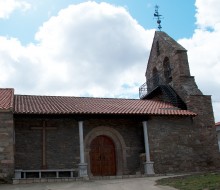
(7, 7)
(94, 45)
(94, 49)
(87, 49)
(203, 50)
(208, 14)
(216, 109)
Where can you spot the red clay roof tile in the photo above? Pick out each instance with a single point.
(28, 104)
(6, 98)
(217, 124)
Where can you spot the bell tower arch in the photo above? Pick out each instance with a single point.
(168, 79)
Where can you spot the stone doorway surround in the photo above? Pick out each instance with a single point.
(120, 147)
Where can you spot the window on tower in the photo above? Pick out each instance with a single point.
(167, 70)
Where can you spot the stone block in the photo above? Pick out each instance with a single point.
(37, 180)
(15, 181)
(51, 180)
(43, 180)
(83, 170)
(22, 181)
(29, 181)
(119, 177)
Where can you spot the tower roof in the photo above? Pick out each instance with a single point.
(170, 41)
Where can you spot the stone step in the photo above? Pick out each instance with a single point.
(52, 180)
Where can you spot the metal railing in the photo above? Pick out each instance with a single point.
(143, 90)
(150, 85)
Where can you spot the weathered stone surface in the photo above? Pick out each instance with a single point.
(178, 146)
(181, 80)
(62, 149)
(132, 133)
(6, 145)
(62, 144)
(194, 144)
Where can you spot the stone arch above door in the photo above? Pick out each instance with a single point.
(120, 147)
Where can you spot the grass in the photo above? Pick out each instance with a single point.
(207, 181)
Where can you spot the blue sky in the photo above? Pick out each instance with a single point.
(89, 48)
(178, 16)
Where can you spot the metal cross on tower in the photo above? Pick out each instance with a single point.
(158, 16)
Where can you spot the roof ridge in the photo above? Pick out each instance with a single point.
(103, 98)
(162, 35)
(6, 88)
(77, 97)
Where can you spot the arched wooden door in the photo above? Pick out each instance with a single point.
(102, 156)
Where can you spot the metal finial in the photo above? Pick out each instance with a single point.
(158, 16)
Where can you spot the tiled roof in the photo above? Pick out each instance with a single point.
(217, 124)
(6, 98)
(27, 104)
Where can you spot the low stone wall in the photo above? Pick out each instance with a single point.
(6, 145)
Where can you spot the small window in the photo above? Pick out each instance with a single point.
(167, 70)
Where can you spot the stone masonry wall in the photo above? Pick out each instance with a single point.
(202, 105)
(176, 145)
(6, 145)
(132, 132)
(62, 144)
(62, 150)
(178, 59)
(182, 82)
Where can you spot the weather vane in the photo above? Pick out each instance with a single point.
(158, 16)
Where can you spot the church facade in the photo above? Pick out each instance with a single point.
(170, 129)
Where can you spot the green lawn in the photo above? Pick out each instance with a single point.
(207, 181)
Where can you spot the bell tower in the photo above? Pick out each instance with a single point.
(168, 79)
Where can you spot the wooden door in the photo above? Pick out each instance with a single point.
(102, 156)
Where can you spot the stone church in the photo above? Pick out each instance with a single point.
(170, 129)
